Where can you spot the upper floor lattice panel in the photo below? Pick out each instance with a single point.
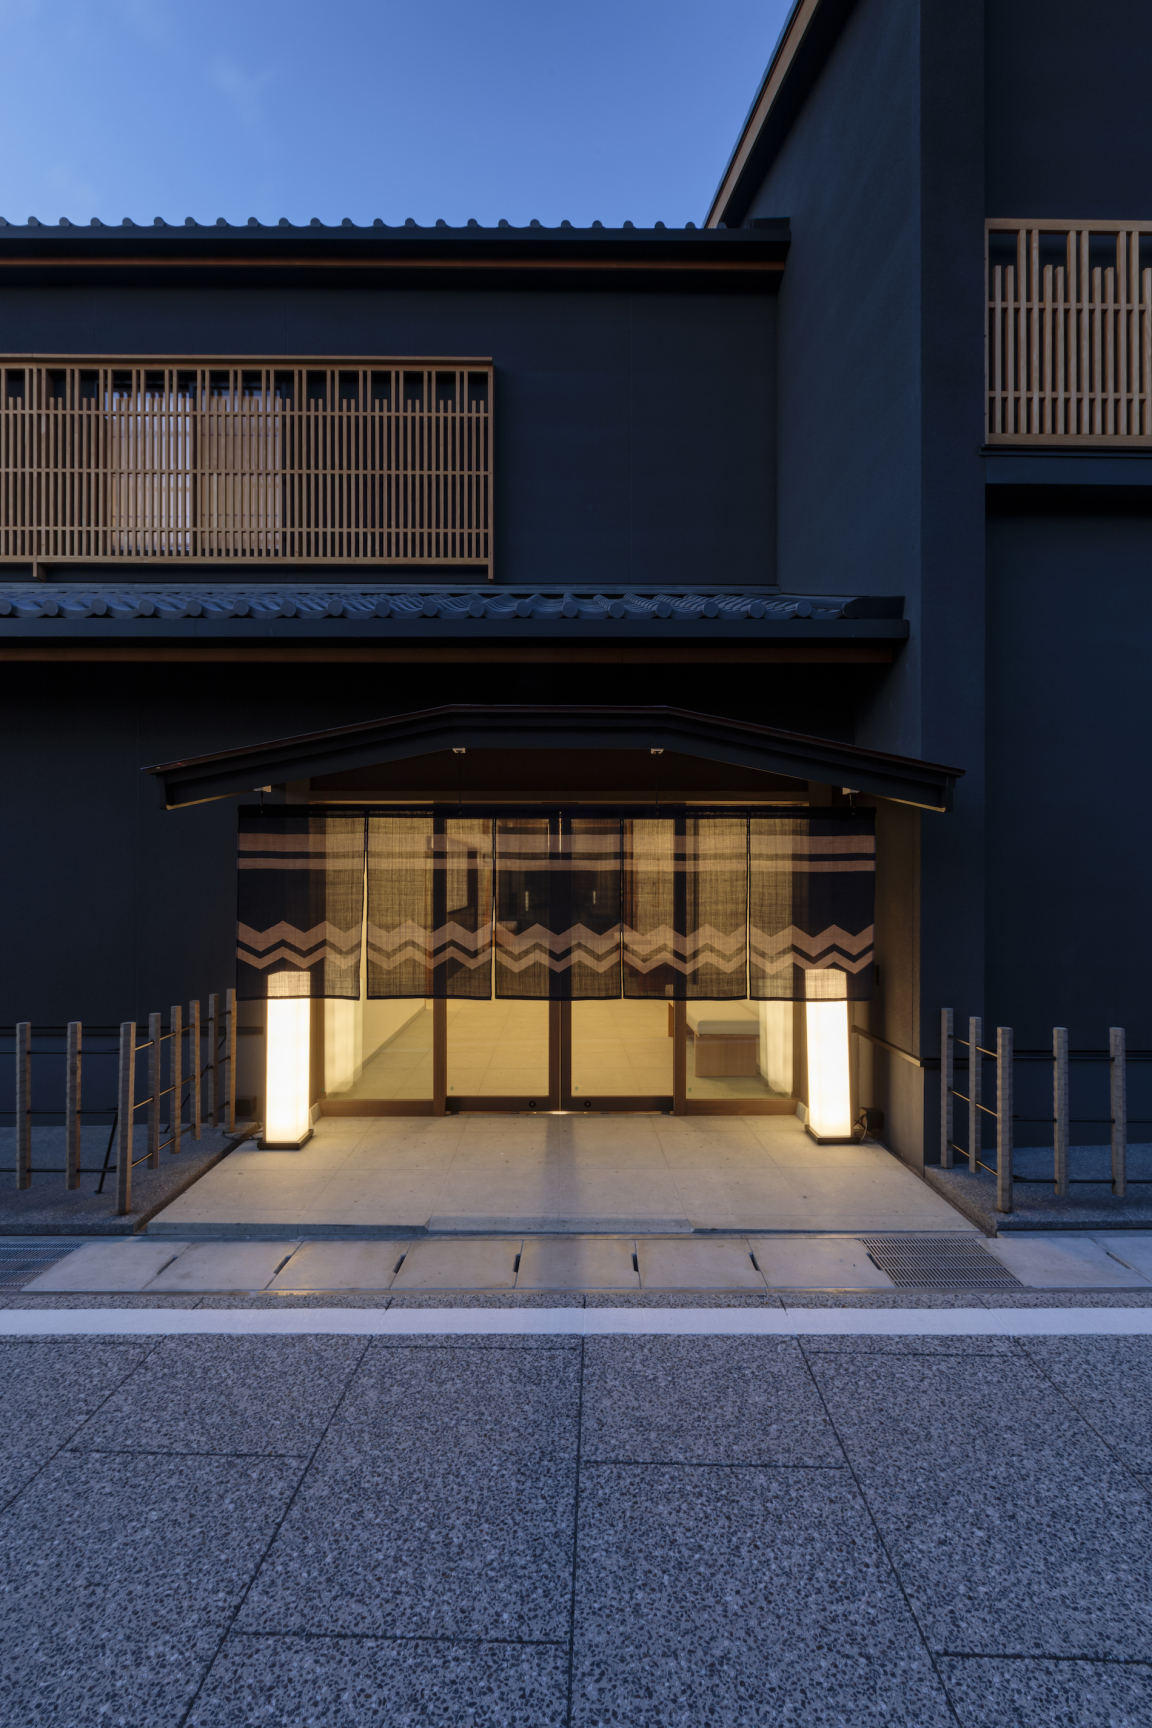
(1069, 333)
(255, 461)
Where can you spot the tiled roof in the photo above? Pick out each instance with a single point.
(395, 610)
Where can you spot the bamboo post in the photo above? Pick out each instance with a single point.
(155, 1069)
(175, 1067)
(125, 1101)
(946, 1099)
(1004, 1118)
(1060, 1108)
(195, 1065)
(230, 1057)
(975, 1092)
(72, 1106)
(24, 1104)
(1119, 1089)
(213, 1063)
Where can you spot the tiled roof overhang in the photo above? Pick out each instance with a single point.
(252, 613)
(408, 255)
(473, 726)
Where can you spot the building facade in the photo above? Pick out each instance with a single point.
(612, 648)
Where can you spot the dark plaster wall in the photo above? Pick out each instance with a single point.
(634, 432)
(1069, 123)
(879, 406)
(1069, 772)
(1069, 776)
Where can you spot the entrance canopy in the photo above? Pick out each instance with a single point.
(738, 743)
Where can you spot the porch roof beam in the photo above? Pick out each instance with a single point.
(736, 743)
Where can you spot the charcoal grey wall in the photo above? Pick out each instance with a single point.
(880, 377)
(634, 433)
(1069, 123)
(1069, 771)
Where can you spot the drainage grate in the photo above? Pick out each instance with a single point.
(19, 1263)
(939, 1263)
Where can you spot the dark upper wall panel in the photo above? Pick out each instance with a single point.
(1069, 121)
(634, 431)
(848, 395)
(1068, 770)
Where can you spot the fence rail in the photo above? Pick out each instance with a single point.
(206, 1088)
(1068, 350)
(1061, 1121)
(158, 462)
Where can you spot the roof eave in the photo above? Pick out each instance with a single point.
(735, 743)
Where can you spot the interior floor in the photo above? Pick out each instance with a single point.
(499, 1048)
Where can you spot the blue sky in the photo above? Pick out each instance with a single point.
(607, 109)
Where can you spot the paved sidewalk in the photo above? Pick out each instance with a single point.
(535, 1532)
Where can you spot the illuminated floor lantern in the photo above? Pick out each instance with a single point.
(287, 1107)
(829, 1088)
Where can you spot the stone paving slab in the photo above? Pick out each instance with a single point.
(117, 1582)
(1014, 1531)
(257, 1396)
(341, 1266)
(1066, 1261)
(807, 1624)
(223, 1266)
(817, 1263)
(1109, 1381)
(107, 1266)
(578, 1263)
(698, 1264)
(378, 1683)
(714, 1400)
(994, 1693)
(476, 1264)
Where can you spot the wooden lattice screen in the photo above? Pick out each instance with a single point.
(1069, 333)
(312, 461)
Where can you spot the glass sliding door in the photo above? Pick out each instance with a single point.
(618, 1055)
(499, 1055)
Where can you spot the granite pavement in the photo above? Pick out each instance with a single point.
(643, 1532)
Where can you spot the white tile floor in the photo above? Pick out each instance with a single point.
(533, 1173)
(620, 1049)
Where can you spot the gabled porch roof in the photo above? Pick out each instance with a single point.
(739, 743)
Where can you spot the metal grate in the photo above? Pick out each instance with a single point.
(938, 1263)
(19, 1263)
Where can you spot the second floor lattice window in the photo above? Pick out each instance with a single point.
(1069, 333)
(364, 462)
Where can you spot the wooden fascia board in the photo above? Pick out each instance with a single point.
(735, 744)
(786, 50)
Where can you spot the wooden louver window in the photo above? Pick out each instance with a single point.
(383, 462)
(1068, 341)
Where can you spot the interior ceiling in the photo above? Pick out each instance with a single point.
(553, 773)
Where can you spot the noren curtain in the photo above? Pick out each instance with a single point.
(685, 907)
(811, 886)
(558, 907)
(429, 906)
(300, 904)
